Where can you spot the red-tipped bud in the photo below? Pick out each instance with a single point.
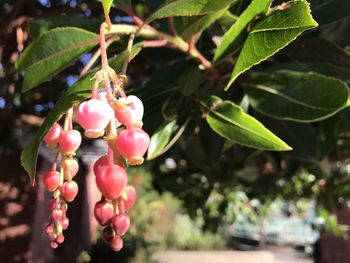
(65, 223)
(103, 212)
(117, 243)
(51, 180)
(69, 141)
(69, 191)
(130, 197)
(111, 180)
(51, 138)
(53, 244)
(49, 229)
(121, 223)
(70, 168)
(60, 239)
(57, 214)
(132, 144)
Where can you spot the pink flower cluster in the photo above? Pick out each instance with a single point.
(119, 121)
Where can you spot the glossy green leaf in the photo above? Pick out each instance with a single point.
(52, 52)
(272, 34)
(231, 122)
(302, 97)
(327, 69)
(79, 91)
(160, 139)
(189, 8)
(107, 4)
(37, 27)
(256, 8)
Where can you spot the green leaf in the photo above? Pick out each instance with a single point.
(37, 27)
(79, 91)
(256, 8)
(160, 139)
(189, 8)
(189, 81)
(231, 122)
(52, 52)
(107, 4)
(272, 34)
(201, 23)
(295, 96)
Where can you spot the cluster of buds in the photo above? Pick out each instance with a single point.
(60, 183)
(117, 118)
(127, 143)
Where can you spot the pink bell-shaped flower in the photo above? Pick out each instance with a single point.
(132, 144)
(129, 111)
(121, 223)
(111, 180)
(94, 115)
(69, 141)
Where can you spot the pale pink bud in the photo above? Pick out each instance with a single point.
(129, 111)
(69, 141)
(94, 115)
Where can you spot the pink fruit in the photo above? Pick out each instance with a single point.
(131, 197)
(51, 180)
(111, 180)
(51, 138)
(132, 144)
(129, 111)
(108, 234)
(94, 115)
(69, 191)
(103, 212)
(121, 223)
(70, 168)
(103, 160)
(117, 243)
(69, 141)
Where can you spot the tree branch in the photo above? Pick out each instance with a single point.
(151, 33)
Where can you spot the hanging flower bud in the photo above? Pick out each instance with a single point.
(94, 115)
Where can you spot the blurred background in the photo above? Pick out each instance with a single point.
(204, 200)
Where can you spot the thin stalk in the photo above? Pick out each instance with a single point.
(95, 56)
